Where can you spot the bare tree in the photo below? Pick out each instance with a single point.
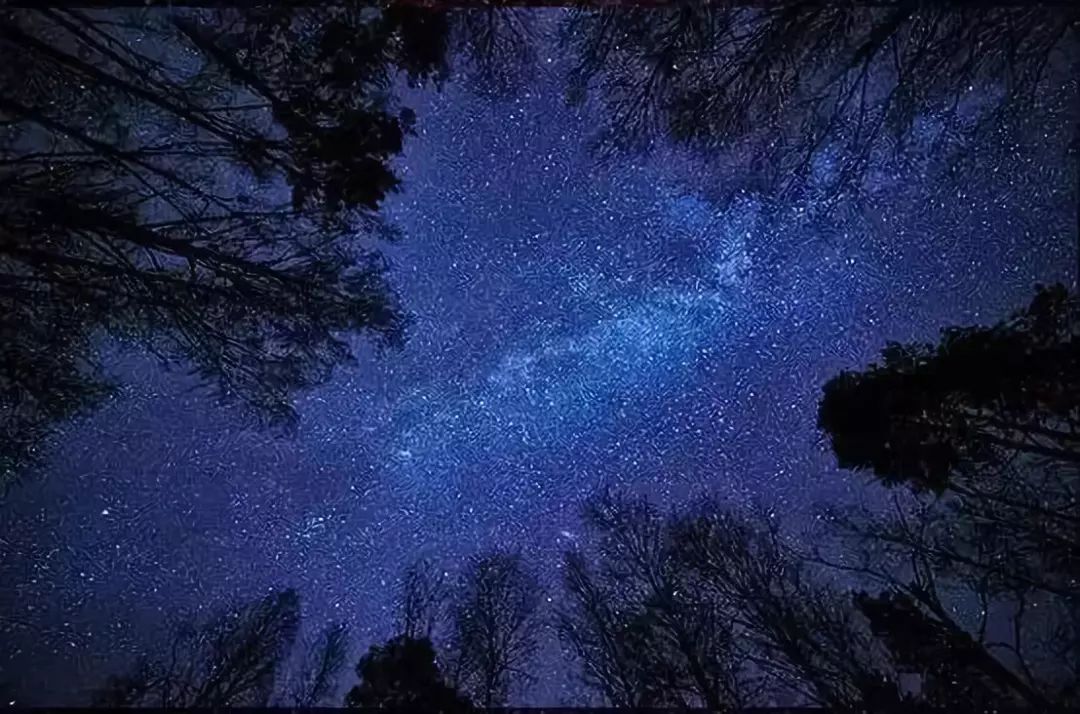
(229, 661)
(425, 591)
(797, 628)
(935, 564)
(494, 624)
(641, 630)
(816, 90)
(710, 608)
(603, 640)
(323, 661)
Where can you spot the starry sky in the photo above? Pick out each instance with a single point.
(577, 325)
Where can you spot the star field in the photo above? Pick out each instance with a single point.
(576, 325)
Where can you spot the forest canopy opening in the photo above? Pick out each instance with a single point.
(456, 356)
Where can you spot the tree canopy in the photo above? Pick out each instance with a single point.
(232, 660)
(983, 430)
(403, 674)
(812, 92)
(980, 397)
(493, 634)
(323, 661)
(195, 182)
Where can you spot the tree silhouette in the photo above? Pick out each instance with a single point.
(709, 608)
(608, 644)
(982, 396)
(813, 89)
(640, 628)
(230, 661)
(983, 429)
(957, 671)
(205, 206)
(403, 674)
(323, 661)
(494, 47)
(991, 415)
(493, 629)
(794, 627)
(424, 596)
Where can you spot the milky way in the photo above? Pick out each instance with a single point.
(576, 325)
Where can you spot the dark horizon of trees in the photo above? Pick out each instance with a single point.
(232, 659)
(251, 654)
(969, 587)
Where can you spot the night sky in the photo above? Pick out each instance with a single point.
(577, 325)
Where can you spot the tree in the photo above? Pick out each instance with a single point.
(424, 596)
(798, 630)
(640, 629)
(990, 554)
(323, 661)
(983, 429)
(493, 47)
(230, 661)
(938, 416)
(991, 415)
(606, 643)
(956, 670)
(929, 580)
(403, 674)
(494, 619)
(814, 91)
(710, 607)
(206, 206)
